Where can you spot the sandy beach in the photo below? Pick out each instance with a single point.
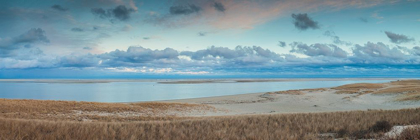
(363, 96)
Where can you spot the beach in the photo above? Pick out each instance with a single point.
(365, 97)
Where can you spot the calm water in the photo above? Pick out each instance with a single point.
(149, 91)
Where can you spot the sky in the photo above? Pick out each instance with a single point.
(209, 38)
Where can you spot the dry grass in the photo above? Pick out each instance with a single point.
(315, 89)
(406, 82)
(92, 111)
(398, 90)
(290, 92)
(285, 126)
(409, 90)
(189, 82)
(359, 86)
(359, 92)
(410, 97)
(347, 91)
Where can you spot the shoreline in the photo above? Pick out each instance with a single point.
(392, 95)
(192, 81)
(329, 99)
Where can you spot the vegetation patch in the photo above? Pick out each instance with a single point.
(77, 111)
(290, 92)
(359, 86)
(363, 124)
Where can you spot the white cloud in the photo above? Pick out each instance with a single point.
(123, 69)
(193, 73)
(376, 15)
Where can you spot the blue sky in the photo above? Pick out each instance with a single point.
(208, 38)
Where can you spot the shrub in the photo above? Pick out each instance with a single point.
(381, 126)
(342, 133)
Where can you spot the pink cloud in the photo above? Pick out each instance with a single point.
(246, 14)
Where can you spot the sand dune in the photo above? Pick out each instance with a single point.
(361, 96)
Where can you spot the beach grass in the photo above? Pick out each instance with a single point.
(27, 123)
(94, 111)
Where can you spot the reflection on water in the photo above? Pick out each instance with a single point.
(149, 91)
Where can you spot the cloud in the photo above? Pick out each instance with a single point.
(398, 38)
(133, 5)
(77, 29)
(219, 7)
(246, 14)
(178, 16)
(33, 35)
(135, 56)
(87, 48)
(303, 22)
(88, 60)
(59, 8)
(12, 46)
(193, 72)
(362, 19)
(212, 52)
(127, 27)
(38, 62)
(336, 39)
(377, 53)
(184, 9)
(20, 52)
(120, 12)
(132, 57)
(318, 50)
(245, 57)
(238, 57)
(102, 13)
(146, 38)
(416, 50)
(282, 44)
(376, 15)
(96, 28)
(247, 60)
(202, 33)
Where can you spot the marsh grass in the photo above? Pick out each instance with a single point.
(359, 86)
(407, 90)
(93, 111)
(406, 82)
(278, 126)
(290, 92)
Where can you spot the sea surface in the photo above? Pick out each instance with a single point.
(151, 91)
